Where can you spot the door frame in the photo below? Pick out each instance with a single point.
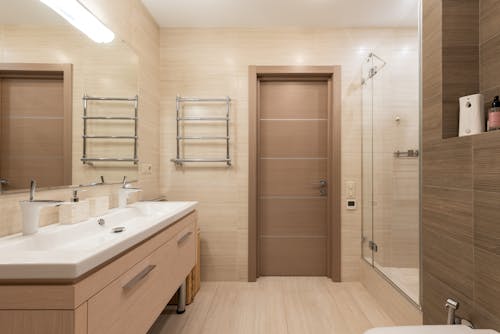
(50, 71)
(333, 74)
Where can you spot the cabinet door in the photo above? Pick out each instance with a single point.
(132, 302)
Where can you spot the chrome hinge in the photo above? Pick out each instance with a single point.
(373, 246)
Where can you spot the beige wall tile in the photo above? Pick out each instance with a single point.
(214, 63)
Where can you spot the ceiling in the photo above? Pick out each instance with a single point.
(284, 13)
(30, 12)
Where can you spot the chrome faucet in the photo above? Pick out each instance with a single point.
(32, 195)
(125, 191)
(97, 183)
(32, 190)
(31, 210)
(127, 184)
(3, 182)
(451, 306)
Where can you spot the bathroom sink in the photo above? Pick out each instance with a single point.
(69, 251)
(456, 329)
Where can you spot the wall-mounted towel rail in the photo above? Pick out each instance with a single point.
(86, 159)
(181, 118)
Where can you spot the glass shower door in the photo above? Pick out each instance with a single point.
(391, 203)
(367, 159)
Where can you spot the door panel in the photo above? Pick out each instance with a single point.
(293, 99)
(309, 138)
(293, 256)
(295, 217)
(292, 177)
(293, 159)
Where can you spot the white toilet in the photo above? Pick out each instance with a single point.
(449, 329)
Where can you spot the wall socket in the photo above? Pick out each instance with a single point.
(145, 169)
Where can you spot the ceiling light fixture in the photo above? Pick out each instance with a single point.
(82, 19)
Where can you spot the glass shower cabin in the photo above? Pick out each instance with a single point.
(391, 168)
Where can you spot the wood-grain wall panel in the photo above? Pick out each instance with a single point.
(460, 175)
(489, 63)
(489, 25)
(448, 164)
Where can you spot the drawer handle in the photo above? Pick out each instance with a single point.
(184, 237)
(139, 277)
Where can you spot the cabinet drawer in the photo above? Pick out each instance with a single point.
(131, 303)
(185, 253)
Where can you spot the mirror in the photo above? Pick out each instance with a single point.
(46, 68)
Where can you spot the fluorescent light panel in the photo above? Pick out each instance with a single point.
(82, 19)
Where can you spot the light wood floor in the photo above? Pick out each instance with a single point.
(277, 305)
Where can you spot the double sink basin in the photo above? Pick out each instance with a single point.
(66, 252)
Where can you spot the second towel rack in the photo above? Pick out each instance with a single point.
(179, 160)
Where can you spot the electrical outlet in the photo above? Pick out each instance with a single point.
(146, 169)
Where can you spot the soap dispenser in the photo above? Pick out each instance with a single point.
(74, 211)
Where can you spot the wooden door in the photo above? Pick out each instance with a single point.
(292, 177)
(32, 131)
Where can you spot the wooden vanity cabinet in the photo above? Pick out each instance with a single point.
(123, 296)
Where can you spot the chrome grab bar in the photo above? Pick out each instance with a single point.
(139, 277)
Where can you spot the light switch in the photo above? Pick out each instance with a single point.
(351, 189)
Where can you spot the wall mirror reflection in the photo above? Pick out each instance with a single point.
(47, 66)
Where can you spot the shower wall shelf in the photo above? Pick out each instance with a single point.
(179, 159)
(89, 160)
(406, 154)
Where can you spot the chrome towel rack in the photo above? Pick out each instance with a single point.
(85, 158)
(179, 160)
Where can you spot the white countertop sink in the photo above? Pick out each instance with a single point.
(453, 329)
(69, 251)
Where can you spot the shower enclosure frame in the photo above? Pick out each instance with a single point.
(418, 304)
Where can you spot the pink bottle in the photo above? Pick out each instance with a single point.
(494, 115)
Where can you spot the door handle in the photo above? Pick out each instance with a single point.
(3, 181)
(139, 277)
(184, 237)
(322, 183)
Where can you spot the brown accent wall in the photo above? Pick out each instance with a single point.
(461, 176)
